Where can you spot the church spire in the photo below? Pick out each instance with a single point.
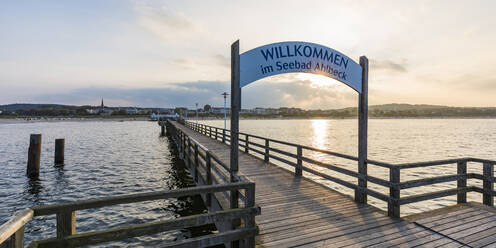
(102, 106)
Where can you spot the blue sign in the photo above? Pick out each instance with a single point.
(286, 57)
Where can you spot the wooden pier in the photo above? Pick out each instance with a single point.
(299, 212)
(265, 205)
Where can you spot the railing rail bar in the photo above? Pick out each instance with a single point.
(149, 196)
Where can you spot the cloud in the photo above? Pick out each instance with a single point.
(388, 65)
(169, 26)
(484, 82)
(261, 94)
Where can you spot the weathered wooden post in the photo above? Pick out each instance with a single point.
(34, 151)
(188, 154)
(266, 155)
(247, 150)
(196, 163)
(59, 151)
(235, 106)
(487, 184)
(66, 223)
(216, 131)
(223, 135)
(208, 162)
(250, 221)
(461, 170)
(162, 132)
(394, 192)
(361, 196)
(234, 145)
(299, 162)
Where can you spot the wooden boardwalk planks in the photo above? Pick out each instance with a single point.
(298, 212)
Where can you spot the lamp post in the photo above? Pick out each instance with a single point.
(196, 113)
(225, 111)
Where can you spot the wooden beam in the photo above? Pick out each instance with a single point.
(137, 230)
(130, 198)
(360, 196)
(235, 101)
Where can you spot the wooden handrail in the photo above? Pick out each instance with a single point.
(137, 230)
(15, 224)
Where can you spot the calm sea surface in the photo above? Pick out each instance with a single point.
(101, 159)
(112, 158)
(389, 140)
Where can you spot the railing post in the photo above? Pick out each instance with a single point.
(188, 144)
(247, 150)
(250, 220)
(488, 185)
(223, 135)
(15, 240)
(266, 155)
(208, 163)
(461, 170)
(66, 223)
(299, 162)
(196, 163)
(216, 130)
(183, 144)
(19, 238)
(394, 192)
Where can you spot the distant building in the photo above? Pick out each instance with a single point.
(131, 111)
(259, 111)
(220, 110)
(93, 111)
(155, 116)
(245, 111)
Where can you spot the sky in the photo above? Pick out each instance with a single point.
(177, 53)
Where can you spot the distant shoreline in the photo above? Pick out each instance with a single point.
(122, 119)
(345, 118)
(65, 119)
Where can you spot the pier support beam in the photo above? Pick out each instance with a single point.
(33, 168)
(361, 196)
(59, 151)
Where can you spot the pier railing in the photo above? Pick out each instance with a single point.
(260, 145)
(207, 169)
(12, 232)
(222, 192)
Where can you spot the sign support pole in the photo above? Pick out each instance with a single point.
(361, 196)
(235, 106)
(235, 102)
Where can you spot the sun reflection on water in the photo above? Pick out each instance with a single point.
(320, 133)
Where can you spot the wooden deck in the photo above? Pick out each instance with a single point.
(298, 212)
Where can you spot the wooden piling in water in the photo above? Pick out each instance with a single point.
(59, 151)
(33, 168)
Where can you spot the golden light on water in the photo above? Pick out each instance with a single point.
(320, 134)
